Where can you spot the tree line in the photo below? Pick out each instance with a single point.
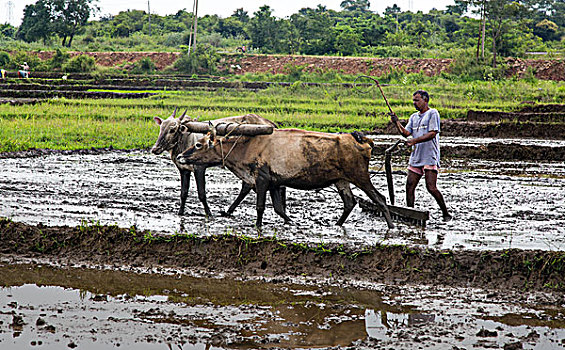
(488, 28)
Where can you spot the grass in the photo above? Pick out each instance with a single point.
(62, 123)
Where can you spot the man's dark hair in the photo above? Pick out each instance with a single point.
(424, 95)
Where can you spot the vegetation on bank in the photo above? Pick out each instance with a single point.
(478, 34)
(128, 124)
(511, 28)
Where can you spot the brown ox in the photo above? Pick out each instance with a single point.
(299, 159)
(174, 138)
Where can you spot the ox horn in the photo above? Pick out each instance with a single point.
(182, 116)
(174, 112)
(212, 131)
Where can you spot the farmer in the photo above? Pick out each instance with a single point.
(3, 72)
(24, 72)
(424, 127)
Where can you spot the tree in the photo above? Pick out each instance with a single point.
(7, 30)
(69, 17)
(241, 15)
(547, 30)
(355, 5)
(262, 28)
(315, 30)
(48, 17)
(348, 40)
(419, 30)
(36, 23)
(499, 13)
(231, 27)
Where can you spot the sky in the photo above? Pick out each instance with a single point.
(223, 8)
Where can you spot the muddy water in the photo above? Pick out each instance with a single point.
(496, 205)
(53, 308)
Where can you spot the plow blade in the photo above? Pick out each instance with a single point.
(400, 214)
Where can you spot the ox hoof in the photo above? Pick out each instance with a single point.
(225, 213)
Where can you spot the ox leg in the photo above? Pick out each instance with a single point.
(261, 187)
(348, 199)
(245, 189)
(366, 186)
(282, 195)
(200, 176)
(278, 202)
(184, 186)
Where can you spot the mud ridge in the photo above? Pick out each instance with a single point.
(508, 269)
(492, 129)
(39, 152)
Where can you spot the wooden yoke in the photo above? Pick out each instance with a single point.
(223, 129)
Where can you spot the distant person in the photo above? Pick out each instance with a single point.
(24, 72)
(424, 127)
(3, 73)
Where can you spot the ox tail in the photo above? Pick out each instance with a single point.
(361, 138)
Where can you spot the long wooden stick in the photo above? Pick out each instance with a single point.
(381, 89)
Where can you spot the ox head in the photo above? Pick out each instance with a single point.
(171, 130)
(205, 151)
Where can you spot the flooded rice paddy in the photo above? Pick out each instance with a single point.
(56, 305)
(496, 204)
(67, 307)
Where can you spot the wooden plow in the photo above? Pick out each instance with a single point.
(407, 215)
(402, 214)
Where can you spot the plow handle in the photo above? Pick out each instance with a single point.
(388, 170)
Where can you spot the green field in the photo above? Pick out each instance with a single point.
(127, 123)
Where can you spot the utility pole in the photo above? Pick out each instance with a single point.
(194, 27)
(149, 15)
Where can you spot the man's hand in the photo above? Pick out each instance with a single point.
(410, 142)
(393, 117)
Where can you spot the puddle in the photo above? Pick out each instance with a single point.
(497, 205)
(52, 308)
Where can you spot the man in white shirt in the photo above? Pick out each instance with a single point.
(424, 127)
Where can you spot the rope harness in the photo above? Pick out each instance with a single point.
(226, 136)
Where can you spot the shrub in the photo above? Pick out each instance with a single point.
(80, 64)
(20, 57)
(466, 67)
(203, 60)
(4, 59)
(143, 66)
(58, 60)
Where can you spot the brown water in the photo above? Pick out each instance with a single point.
(55, 308)
(496, 205)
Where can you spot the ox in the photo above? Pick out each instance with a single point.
(294, 158)
(174, 138)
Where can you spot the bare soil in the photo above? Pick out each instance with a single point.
(543, 69)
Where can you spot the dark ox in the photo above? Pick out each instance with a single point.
(174, 138)
(299, 159)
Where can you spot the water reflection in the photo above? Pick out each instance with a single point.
(378, 323)
(99, 309)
